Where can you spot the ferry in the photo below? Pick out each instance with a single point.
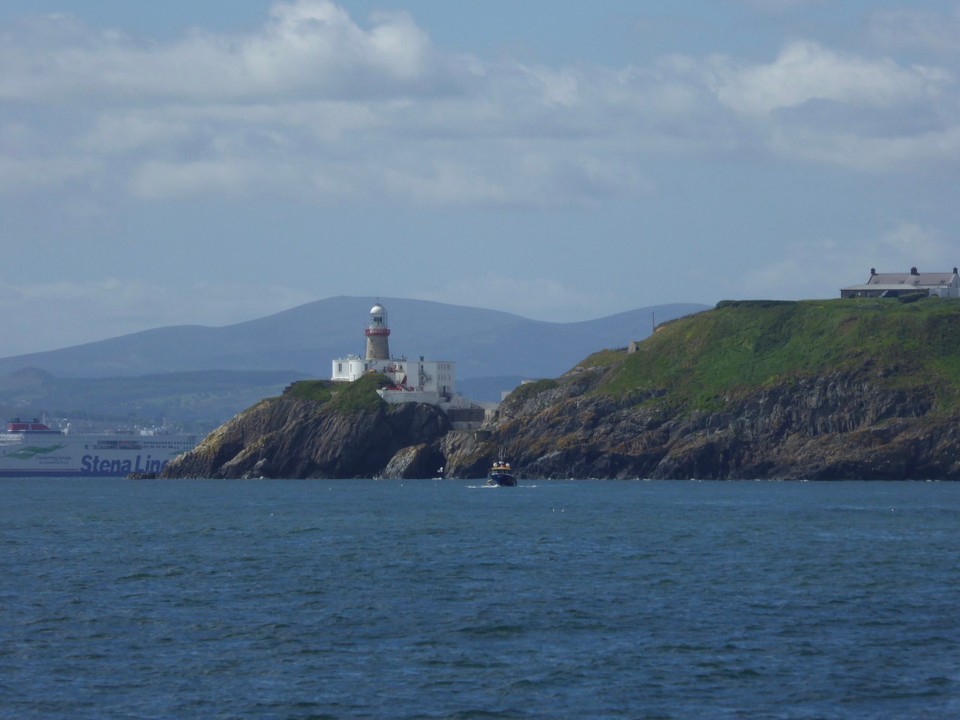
(34, 449)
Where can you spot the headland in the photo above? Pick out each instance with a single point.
(820, 390)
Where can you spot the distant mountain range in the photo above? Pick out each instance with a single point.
(212, 370)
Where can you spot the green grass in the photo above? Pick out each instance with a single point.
(529, 390)
(315, 390)
(603, 359)
(699, 361)
(342, 397)
(359, 395)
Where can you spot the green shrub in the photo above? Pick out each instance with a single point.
(359, 395)
(315, 390)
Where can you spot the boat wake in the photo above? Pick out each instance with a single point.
(487, 486)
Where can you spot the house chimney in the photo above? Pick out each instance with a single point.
(913, 271)
(954, 271)
(873, 271)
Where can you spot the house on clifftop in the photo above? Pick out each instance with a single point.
(940, 284)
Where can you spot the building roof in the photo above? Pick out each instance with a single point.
(917, 280)
(878, 287)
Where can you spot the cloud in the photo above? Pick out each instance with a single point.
(18, 176)
(318, 106)
(916, 245)
(929, 149)
(188, 179)
(805, 71)
(826, 107)
(307, 48)
(848, 261)
(916, 29)
(775, 6)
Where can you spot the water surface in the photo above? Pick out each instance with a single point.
(441, 599)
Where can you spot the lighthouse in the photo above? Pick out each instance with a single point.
(422, 380)
(377, 332)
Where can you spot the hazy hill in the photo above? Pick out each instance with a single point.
(175, 368)
(307, 338)
(196, 400)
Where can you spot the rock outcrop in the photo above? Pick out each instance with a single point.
(289, 437)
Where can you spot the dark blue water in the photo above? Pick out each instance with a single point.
(425, 599)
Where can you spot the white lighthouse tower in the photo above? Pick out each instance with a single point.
(377, 332)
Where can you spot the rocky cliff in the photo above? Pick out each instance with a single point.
(808, 390)
(837, 426)
(312, 431)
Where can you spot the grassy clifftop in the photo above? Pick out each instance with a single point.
(701, 361)
(342, 397)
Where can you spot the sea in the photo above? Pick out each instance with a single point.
(445, 599)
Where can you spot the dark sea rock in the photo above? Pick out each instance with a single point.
(416, 461)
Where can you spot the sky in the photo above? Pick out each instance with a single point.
(209, 162)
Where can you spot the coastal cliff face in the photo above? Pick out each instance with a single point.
(810, 390)
(305, 437)
(832, 427)
(793, 390)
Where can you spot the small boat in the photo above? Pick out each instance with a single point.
(501, 475)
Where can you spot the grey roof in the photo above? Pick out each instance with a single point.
(918, 280)
(875, 287)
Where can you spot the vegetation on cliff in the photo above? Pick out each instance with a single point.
(343, 397)
(704, 361)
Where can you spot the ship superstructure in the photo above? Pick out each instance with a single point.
(33, 448)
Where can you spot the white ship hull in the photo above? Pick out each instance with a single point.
(54, 454)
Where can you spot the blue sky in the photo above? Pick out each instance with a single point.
(213, 162)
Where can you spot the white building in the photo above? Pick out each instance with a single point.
(426, 381)
(940, 284)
